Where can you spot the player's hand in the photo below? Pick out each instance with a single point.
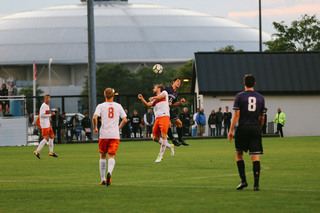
(182, 100)
(151, 98)
(95, 131)
(140, 96)
(53, 113)
(230, 136)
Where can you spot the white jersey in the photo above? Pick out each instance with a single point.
(110, 113)
(161, 107)
(45, 115)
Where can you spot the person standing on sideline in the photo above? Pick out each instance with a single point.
(47, 132)
(149, 121)
(226, 121)
(280, 120)
(12, 90)
(264, 127)
(201, 122)
(86, 125)
(109, 136)
(185, 119)
(135, 123)
(219, 121)
(161, 109)
(57, 123)
(126, 133)
(249, 109)
(212, 121)
(64, 135)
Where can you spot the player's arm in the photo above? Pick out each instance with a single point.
(233, 124)
(123, 122)
(158, 97)
(261, 119)
(147, 104)
(45, 114)
(182, 101)
(95, 123)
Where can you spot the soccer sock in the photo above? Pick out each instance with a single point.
(111, 163)
(170, 135)
(166, 143)
(163, 147)
(51, 145)
(102, 166)
(241, 169)
(179, 131)
(41, 145)
(256, 172)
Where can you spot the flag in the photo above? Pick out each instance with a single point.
(34, 71)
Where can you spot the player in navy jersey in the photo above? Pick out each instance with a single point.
(249, 109)
(173, 103)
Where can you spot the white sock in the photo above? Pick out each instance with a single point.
(103, 166)
(41, 145)
(51, 145)
(168, 144)
(111, 163)
(163, 147)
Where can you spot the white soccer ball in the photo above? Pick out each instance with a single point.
(157, 68)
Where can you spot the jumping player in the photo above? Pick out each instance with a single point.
(47, 132)
(162, 116)
(249, 109)
(109, 136)
(173, 96)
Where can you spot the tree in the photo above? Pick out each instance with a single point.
(28, 92)
(302, 35)
(229, 48)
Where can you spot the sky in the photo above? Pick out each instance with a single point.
(243, 11)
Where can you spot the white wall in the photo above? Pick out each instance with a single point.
(301, 111)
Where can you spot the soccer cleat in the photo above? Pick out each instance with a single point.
(242, 185)
(52, 154)
(183, 142)
(172, 150)
(159, 159)
(256, 188)
(103, 182)
(108, 183)
(37, 154)
(176, 143)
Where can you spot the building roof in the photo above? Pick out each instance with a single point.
(124, 32)
(275, 72)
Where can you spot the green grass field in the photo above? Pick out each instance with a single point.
(199, 178)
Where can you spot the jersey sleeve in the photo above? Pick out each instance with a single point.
(236, 104)
(98, 111)
(122, 112)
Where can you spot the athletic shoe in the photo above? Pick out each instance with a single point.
(172, 150)
(52, 154)
(108, 183)
(159, 159)
(103, 182)
(256, 188)
(37, 154)
(176, 143)
(242, 185)
(183, 143)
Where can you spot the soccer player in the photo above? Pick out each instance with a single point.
(173, 96)
(249, 109)
(109, 136)
(47, 132)
(162, 115)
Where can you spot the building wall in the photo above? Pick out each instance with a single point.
(301, 111)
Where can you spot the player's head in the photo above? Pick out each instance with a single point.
(46, 98)
(176, 82)
(109, 93)
(158, 88)
(249, 80)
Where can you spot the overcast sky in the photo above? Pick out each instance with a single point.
(242, 11)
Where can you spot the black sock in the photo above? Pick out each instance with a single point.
(241, 169)
(170, 135)
(256, 172)
(179, 131)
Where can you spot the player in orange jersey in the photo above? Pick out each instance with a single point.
(109, 136)
(160, 102)
(47, 133)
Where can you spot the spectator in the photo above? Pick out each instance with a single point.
(12, 91)
(195, 116)
(227, 121)
(4, 107)
(264, 127)
(64, 135)
(57, 123)
(185, 119)
(135, 122)
(76, 127)
(219, 121)
(126, 133)
(201, 122)
(86, 125)
(149, 121)
(212, 121)
(280, 120)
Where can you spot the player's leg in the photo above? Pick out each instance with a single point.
(163, 123)
(111, 164)
(51, 140)
(256, 171)
(45, 135)
(178, 124)
(241, 170)
(103, 144)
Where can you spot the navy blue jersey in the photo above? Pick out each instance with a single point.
(251, 105)
(173, 95)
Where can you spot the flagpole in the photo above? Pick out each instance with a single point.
(34, 90)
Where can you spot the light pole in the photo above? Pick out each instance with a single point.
(50, 61)
(260, 28)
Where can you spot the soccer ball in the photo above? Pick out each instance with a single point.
(157, 68)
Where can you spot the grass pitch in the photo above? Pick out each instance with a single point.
(199, 178)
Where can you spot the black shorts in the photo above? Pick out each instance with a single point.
(249, 138)
(174, 114)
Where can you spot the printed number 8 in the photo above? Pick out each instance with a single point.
(252, 104)
(111, 114)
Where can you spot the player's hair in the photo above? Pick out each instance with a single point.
(46, 95)
(249, 80)
(174, 80)
(109, 93)
(160, 86)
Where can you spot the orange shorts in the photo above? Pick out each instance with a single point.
(161, 124)
(47, 131)
(109, 146)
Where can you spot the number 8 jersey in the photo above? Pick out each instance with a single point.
(251, 105)
(110, 113)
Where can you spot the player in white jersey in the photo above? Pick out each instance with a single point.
(109, 136)
(47, 133)
(161, 109)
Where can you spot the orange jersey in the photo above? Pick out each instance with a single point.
(109, 146)
(161, 124)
